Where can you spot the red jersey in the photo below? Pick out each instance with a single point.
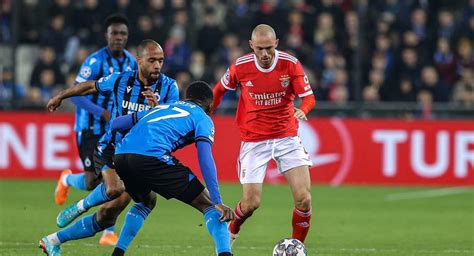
(265, 109)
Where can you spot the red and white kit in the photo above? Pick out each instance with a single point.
(265, 113)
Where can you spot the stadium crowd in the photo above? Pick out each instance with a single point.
(410, 50)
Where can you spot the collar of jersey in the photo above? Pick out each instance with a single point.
(270, 69)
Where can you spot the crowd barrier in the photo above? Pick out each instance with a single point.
(343, 151)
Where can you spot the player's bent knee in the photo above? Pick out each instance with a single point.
(115, 191)
(303, 202)
(107, 216)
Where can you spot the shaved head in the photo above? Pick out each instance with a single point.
(148, 44)
(263, 30)
(263, 43)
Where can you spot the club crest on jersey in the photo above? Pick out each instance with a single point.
(86, 72)
(285, 80)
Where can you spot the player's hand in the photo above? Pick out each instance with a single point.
(106, 115)
(226, 213)
(150, 97)
(299, 114)
(54, 103)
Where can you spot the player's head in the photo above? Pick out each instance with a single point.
(150, 58)
(201, 93)
(263, 43)
(116, 32)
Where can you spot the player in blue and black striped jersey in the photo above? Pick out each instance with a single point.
(145, 163)
(93, 111)
(131, 91)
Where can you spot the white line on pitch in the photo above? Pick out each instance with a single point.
(428, 193)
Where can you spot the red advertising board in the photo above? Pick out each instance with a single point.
(343, 151)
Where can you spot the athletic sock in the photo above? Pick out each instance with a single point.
(239, 219)
(77, 181)
(96, 197)
(110, 229)
(218, 230)
(82, 228)
(133, 222)
(301, 223)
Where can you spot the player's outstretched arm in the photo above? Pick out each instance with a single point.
(84, 88)
(208, 169)
(218, 91)
(124, 123)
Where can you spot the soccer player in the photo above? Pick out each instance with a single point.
(144, 162)
(269, 80)
(131, 91)
(93, 111)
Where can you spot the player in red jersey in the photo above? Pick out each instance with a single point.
(269, 80)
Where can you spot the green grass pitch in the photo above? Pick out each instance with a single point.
(347, 220)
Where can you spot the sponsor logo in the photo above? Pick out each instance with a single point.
(111, 69)
(285, 80)
(92, 61)
(267, 99)
(249, 84)
(303, 224)
(133, 106)
(129, 88)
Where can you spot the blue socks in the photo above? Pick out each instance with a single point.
(110, 229)
(96, 197)
(82, 228)
(133, 222)
(217, 229)
(77, 181)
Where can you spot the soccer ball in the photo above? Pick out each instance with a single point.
(289, 247)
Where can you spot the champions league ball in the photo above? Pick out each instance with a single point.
(289, 247)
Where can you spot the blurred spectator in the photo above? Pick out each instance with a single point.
(430, 82)
(183, 79)
(410, 67)
(56, 35)
(63, 7)
(156, 10)
(444, 61)
(370, 94)
(463, 93)
(198, 65)
(177, 53)
(239, 18)
(406, 91)
(425, 100)
(88, 23)
(446, 24)
(8, 86)
(202, 8)
(5, 21)
(209, 33)
(47, 62)
(338, 88)
(465, 56)
(144, 30)
(31, 21)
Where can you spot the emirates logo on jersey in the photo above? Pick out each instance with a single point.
(285, 80)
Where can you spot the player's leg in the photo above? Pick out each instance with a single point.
(300, 182)
(107, 216)
(251, 168)
(198, 197)
(87, 180)
(293, 162)
(111, 188)
(130, 168)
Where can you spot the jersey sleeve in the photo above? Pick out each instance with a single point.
(229, 79)
(300, 81)
(105, 85)
(90, 70)
(204, 130)
(173, 93)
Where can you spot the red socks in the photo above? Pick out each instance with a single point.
(239, 219)
(301, 224)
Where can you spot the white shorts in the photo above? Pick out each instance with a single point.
(287, 152)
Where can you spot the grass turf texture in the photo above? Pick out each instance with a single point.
(348, 220)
